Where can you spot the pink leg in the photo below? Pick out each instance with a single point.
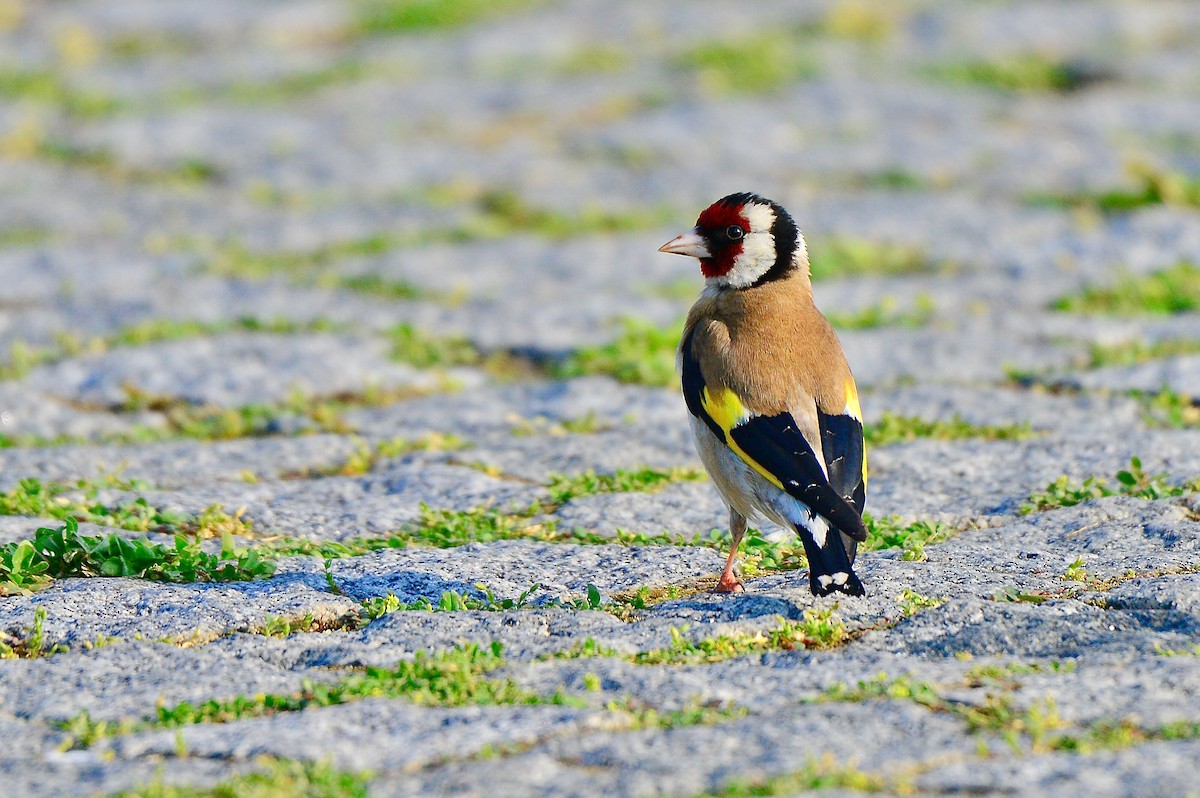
(728, 583)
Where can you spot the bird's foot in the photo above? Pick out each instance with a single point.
(728, 583)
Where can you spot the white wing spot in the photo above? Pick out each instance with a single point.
(840, 578)
(825, 580)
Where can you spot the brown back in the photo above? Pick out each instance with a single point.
(771, 346)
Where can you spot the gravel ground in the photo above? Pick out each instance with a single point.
(328, 275)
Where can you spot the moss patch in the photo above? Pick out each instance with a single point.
(642, 354)
(276, 778)
(1164, 292)
(754, 64)
(892, 428)
(1026, 72)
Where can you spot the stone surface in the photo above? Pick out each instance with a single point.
(505, 181)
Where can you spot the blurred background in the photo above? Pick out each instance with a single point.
(483, 185)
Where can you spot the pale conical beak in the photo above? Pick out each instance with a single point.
(690, 243)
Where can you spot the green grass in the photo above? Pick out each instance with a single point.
(597, 59)
(912, 602)
(892, 428)
(62, 552)
(31, 645)
(642, 354)
(756, 64)
(1036, 728)
(48, 88)
(23, 357)
(834, 258)
(564, 488)
(1152, 186)
(453, 678)
(490, 214)
(367, 455)
(1134, 481)
(858, 20)
(1028, 72)
(181, 174)
(379, 286)
(453, 601)
(276, 778)
(1129, 353)
(825, 773)
(423, 350)
(820, 630)
(502, 213)
(893, 179)
(452, 528)
(388, 17)
(587, 424)
(280, 89)
(78, 501)
(1164, 292)
(1168, 409)
(892, 533)
(886, 313)
(24, 236)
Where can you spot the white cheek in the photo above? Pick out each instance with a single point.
(760, 217)
(758, 256)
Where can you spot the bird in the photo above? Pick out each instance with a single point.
(773, 406)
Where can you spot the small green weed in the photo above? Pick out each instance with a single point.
(825, 773)
(1168, 409)
(24, 236)
(379, 606)
(48, 88)
(912, 602)
(1164, 292)
(642, 354)
(1194, 651)
(1028, 72)
(840, 258)
(32, 645)
(588, 649)
(754, 64)
(587, 424)
(1129, 353)
(458, 677)
(453, 601)
(820, 629)
(63, 552)
(420, 349)
(1152, 186)
(564, 488)
(1002, 674)
(892, 428)
(1016, 596)
(367, 455)
(892, 533)
(79, 502)
(1133, 481)
(886, 313)
(1076, 572)
(276, 778)
(385, 17)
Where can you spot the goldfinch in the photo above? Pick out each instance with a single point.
(774, 409)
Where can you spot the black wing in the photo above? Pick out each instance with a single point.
(842, 445)
(772, 445)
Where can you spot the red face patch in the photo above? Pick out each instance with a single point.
(714, 223)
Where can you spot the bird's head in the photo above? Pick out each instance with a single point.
(743, 240)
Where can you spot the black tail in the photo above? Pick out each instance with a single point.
(829, 566)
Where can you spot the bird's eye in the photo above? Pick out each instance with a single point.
(735, 232)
